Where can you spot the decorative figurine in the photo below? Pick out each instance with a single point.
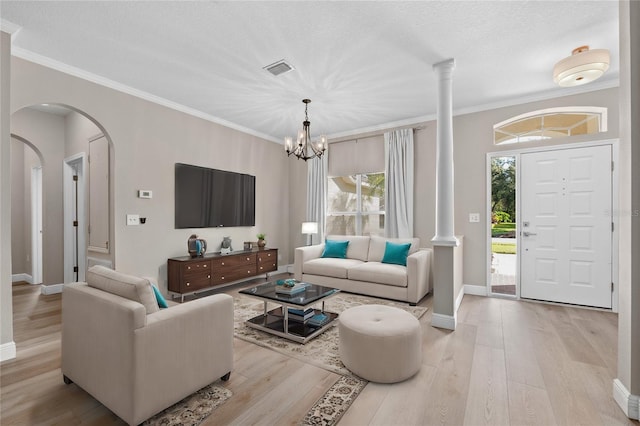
(226, 246)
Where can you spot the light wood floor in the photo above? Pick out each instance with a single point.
(508, 362)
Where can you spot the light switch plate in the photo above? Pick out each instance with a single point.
(133, 219)
(144, 193)
(474, 217)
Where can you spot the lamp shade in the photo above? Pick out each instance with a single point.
(583, 66)
(309, 227)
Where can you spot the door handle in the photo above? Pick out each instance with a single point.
(528, 234)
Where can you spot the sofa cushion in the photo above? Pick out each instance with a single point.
(329, 267)
(336, 249)
(396, 253)
(123, 285)
(378, 244)
(358, 246)
(380, 273)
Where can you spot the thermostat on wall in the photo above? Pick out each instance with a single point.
(144, 193)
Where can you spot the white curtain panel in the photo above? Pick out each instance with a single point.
(317, 195)
(398, 186)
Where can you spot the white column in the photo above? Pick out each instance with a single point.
(444, 157)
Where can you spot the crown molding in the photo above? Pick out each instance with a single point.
(102, 81)
(9, 27)
(551, 94)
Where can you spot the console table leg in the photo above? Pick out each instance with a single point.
(265, 308)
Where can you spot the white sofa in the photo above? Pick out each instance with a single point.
(362, 270)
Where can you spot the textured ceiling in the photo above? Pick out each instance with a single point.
(363, 64)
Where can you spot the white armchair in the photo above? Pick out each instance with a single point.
(136, 362)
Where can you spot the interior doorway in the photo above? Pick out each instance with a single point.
(75, 221)
(36, 224)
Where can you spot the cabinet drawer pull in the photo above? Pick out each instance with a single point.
(208, 276)
(248, 272)
(268, 254)
(247, 258)
(204, 266)
(261, 267)
(187, 284)
(188, 267)
(222, 263)
(223, 278)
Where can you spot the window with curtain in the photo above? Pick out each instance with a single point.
(355, 205)
(355, 187)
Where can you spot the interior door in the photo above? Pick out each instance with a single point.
(566, 226)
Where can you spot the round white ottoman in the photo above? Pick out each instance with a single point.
(380, 343)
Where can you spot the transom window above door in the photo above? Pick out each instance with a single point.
(551, 123)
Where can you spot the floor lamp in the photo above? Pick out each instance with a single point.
(309, 228)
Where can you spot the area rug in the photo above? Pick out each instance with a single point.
(321, 351)
(335, 402)
(192, 410)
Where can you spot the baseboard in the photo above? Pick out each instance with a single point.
(7, 351)
(459, 299)
(475, 290)
(52, 289)
(629, 403)
(443, 321)
(21, 277)
(285, 269)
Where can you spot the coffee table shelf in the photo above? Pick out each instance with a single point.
(273, 322)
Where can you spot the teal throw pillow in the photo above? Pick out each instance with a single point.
(336, 249)
(162, 303)
(396, 253)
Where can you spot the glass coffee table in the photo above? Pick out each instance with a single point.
(277, 321)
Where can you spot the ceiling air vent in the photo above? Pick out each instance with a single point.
(279, 67)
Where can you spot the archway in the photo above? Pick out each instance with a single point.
(62, 134)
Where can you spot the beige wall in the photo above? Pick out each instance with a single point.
(147, 140)
(629, 219)
(47, 134)
(18, 218)
(6, 313)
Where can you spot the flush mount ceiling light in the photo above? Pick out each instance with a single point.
(583, 66)
(305, 148)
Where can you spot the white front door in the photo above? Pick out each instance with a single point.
(566, 226)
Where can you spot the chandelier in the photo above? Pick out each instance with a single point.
(305, 148)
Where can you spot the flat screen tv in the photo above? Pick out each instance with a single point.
(208, 198)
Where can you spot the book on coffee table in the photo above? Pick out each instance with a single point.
(300, 315)
(297, 288)
(319, 320)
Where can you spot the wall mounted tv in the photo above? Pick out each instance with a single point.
(207, 198)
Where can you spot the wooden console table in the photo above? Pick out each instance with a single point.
(188, 275)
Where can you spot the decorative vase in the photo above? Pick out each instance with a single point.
(262, 243)
(196, 246)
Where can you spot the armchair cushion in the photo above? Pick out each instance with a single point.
(127, 286)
